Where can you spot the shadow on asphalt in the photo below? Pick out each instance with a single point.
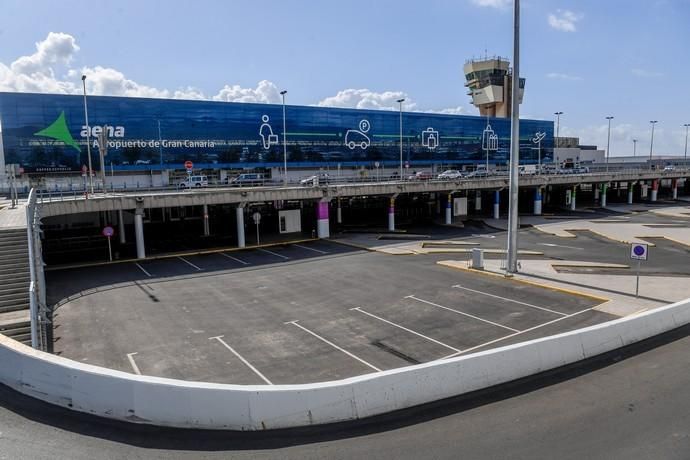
(207, 440)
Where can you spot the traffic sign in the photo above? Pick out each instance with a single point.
(638, 251)
(407, 164)
(83, 170)
(108, 231)
(377, 164)
(188, 165)
(257, 217)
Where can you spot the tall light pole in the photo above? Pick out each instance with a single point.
(687, 125)
(512, 247)
(400, 101)
(608, 144)
(634, 147)
(285, 179)
(651, 143)
(160, 145)
(88, 134)
(558, 125)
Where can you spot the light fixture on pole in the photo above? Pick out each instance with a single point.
(634, 147)
(558, 125)
(88, 135)
(651, 143)
(400, 101)
(687, 125)
(608, 144)
(512, 246)
(283, 93)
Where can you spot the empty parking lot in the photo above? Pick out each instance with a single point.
(302, 313)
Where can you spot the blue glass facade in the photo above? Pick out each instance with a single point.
(161, 133)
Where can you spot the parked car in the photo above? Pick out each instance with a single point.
(479, 173)
(669, 168)
(247, 179)
(194, 182)
(315, 180)
(450, 174)
(420, 175)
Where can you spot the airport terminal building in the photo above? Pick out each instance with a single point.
(47, 134)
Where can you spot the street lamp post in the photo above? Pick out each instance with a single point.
(558, 125)
(285, 180)
(634, 147)
(160, 145)
(687, 125)
(88, 134)
(608, 144)
(512, 246)
(651, 143)
(400, 101)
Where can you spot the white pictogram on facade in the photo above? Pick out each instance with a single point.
(357, 138)
(430, 138)
(266, 132)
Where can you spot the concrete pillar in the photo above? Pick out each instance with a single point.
(207, 230)
(322, 220)
(139, 233)
(121, 226)
(674, 188)
(596, 193)
(239, 214)
(449, 210)
(339, 213)
(438, 203)
(478, 201)
(497, 204)
(391, 215)
(655, 190)
(643, 190)
(573, 199)
(631, 190)
(603, 195)
(537, 201)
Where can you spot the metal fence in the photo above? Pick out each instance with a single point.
(41, 316)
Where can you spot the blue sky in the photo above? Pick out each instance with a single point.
(586, 58)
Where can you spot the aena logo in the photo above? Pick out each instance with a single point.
(59, 131)
(95, 131)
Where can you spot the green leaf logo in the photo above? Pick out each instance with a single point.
(58, 130)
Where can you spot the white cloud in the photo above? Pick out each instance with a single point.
(646, 73)
(265, 92)
(448, 111)
(367, 99)
(564, 20)
(563, 76)
(498, 4)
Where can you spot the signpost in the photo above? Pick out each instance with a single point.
(189, 166)
(639, 252)
(257, 218)
(376, 165)
(108, 232)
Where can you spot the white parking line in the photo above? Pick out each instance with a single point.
(406, 329)
(189, 263)
(552, 245)
(273, 253)
(457, 286)
(130, 357)
(142, 269)
(311, 249)
(294, 323)
(518, 333)
(234, 258)
(247, 363)
(460, 313)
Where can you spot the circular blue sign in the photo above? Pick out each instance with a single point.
(638, 250)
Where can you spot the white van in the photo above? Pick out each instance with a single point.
(194, 182)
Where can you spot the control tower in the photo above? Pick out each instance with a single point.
(489, 83)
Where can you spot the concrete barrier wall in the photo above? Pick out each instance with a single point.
(166, 402)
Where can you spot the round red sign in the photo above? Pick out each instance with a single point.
(188, 164)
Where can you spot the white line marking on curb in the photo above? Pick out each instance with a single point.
(518, 333)
(457, 286)
(406, 329)
(247, 363)
(189, 263)
(142, 269)
(234, 258)
(311, 249)
(130, 357)
(294, 323)
(273, 253)
(460, 313)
